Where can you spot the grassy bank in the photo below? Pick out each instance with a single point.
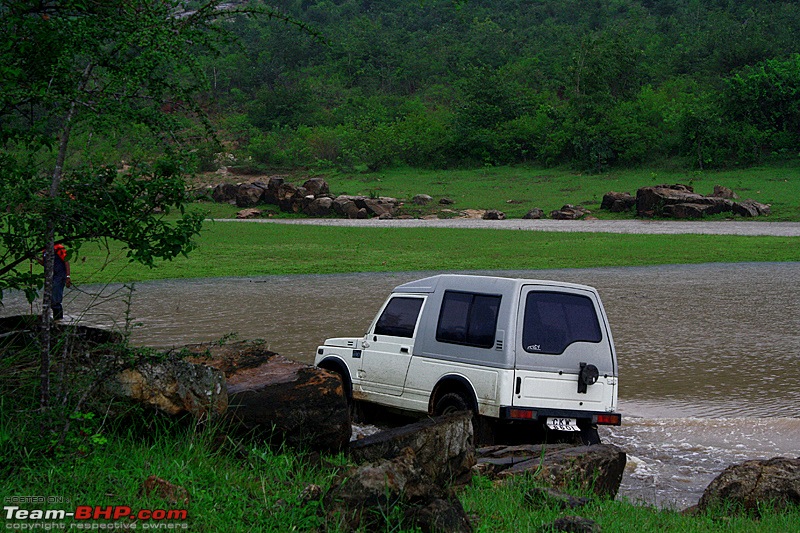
(245, 486)
(240, 249)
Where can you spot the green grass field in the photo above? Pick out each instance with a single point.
(250, 249)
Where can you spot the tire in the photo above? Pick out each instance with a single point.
(590, 436)
(450, 403)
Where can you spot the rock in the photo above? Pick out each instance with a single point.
(683, 211)
(441, 514)
(316, 186)
(533, 214)
(174, 386)
(271, 191)
(617, 202)
(446, 201)
(596, 468)
(749, 486)
(724, 192)
(284, 400)
(248, 213)
(286, 195)
(442, 445)
(573, 524)
(362, 214)
(569, 212)
(174, 494)
(751, 208)
(378, 207)
(361, 497)
(494, 214)
(319, 207)
(345, 206)
(421, 199)
(249, 195)
(656, 201)
(224, 193)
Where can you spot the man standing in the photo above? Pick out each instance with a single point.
(61, 279)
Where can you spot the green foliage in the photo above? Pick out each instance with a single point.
(592, 85)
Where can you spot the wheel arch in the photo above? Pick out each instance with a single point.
(337, 365)
(453, 383)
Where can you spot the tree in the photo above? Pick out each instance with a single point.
(94, 68)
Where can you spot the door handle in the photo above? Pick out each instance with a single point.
(404, 349)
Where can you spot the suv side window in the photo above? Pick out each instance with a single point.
(468, 318)
(399, 317)
(553, 321)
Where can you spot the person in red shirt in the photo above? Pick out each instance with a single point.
(61, 279)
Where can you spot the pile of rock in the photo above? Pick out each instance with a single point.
(312, 198)
(680, 201)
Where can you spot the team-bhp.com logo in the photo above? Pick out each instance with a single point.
(94, 517)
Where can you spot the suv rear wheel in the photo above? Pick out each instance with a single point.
(450, 403)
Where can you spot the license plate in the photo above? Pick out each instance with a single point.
(563, 424)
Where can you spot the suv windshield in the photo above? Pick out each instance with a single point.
(553, 321)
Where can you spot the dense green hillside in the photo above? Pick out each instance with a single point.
(435, 83)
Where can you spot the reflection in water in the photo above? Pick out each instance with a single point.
(694, 342)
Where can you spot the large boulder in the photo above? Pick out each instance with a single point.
(678, 201)
(751, 208)
(443, 446)
(617, 202)
(345, 206)
(249, 195)
(379, 207)
(224, 193)
(284, 400)
(173, 386)
(569, 212)
(494, 214)
(365, 496)
(753, 485)
(596, 468)
(316, 186)
(319, 207)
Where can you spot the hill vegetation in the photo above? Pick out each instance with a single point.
(448, 83)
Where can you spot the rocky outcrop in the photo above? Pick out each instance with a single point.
(173, 386)
(596, 468)
(569, 212)
(443, 446)
(618, 202)
(533, 214)
(283, 400)
(750, 208)
(753, 485)
(494, 214)
(680, 201)
(370, 496)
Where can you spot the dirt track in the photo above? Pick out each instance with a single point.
(653, 227)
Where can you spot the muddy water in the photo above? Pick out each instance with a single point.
(708, 354)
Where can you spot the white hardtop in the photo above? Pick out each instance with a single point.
(470, 282)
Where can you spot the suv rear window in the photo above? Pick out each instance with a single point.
(399, 317)
(553, 321)
(468, 318)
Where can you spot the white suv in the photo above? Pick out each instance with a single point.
(522, 355)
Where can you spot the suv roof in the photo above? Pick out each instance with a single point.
(476, 282)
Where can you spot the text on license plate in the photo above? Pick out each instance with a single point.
(563, 424)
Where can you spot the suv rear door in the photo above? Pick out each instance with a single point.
(558, 329)
(388, 346)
